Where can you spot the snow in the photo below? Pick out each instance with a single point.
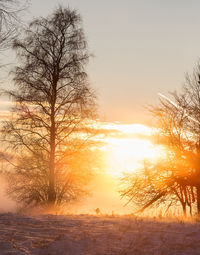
(96, 235)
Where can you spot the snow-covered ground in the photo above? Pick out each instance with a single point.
(84, 235)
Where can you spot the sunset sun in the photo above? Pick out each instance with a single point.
(127, 151)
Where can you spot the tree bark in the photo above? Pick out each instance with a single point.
(198, 199)
(184, 209)
(52, 193)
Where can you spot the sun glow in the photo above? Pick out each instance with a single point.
(121, 148)
(127, 154)
(129, 128)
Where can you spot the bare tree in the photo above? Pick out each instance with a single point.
(54, 106)
(177, 176)
(157, 185)
(9, 21)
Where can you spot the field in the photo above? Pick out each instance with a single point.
(93, 235)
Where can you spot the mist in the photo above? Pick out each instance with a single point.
(6, 203)
(103, 194)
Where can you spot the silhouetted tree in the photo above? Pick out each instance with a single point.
(54, 105)
(178, 176)
(158, 184)
(9, 21)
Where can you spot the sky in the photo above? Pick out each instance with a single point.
(141, 48)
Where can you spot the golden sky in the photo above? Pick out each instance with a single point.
(124, 149)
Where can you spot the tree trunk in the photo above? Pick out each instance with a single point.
(184, 209)
(198, 200)
(52, 193)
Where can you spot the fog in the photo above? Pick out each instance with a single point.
(6, 204)
(103, 194)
